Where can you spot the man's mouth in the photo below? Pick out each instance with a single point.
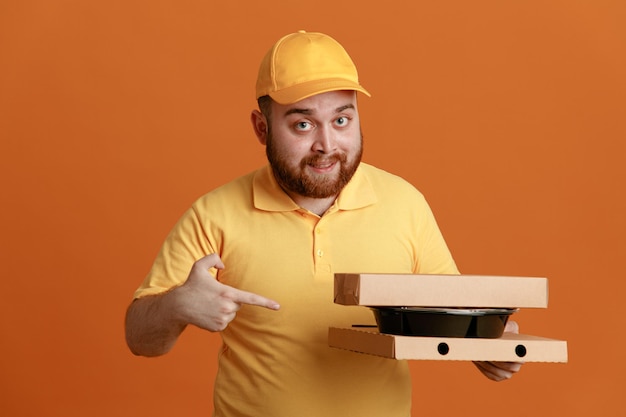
(323, 165)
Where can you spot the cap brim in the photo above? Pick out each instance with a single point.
(299, 92)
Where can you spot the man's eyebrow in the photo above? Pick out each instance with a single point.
(298, 111)
(345, 107)
(309, 111)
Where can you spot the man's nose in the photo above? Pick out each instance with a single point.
(325, 141)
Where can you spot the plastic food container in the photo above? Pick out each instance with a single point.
(442, 322)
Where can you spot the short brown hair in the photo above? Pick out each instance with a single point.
(265, 106)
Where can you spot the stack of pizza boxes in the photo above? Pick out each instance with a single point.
(418, 316)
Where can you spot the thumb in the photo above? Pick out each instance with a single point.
(209, 261)
(511, 327)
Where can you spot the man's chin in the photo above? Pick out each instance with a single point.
(326, 187)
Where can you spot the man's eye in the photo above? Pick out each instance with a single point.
(342, 121)
(303, 126)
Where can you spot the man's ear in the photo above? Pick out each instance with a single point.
(260, 126)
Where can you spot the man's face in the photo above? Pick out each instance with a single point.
(315, 145)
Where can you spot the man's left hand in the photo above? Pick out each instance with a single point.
(500, 371)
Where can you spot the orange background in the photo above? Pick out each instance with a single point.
(115, 115)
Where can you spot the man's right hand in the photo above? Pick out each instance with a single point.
(207, 303)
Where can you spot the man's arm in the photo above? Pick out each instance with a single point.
(154, 323)
(152, 326)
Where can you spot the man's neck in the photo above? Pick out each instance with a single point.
(318, 206)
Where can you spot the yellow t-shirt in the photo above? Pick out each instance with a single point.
(278, 363)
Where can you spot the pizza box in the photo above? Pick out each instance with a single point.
(483, 291)
(510, 347)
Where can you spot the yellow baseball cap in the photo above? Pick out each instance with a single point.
(304, 64)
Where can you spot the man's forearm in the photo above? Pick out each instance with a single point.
(152, 327)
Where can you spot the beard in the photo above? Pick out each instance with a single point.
(295, 179)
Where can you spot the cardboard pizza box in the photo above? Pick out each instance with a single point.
(510, 347)
(481, 291)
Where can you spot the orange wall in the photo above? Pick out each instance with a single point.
(115, 115)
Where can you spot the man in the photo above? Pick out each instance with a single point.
(255, 258)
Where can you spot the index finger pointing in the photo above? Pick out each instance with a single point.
(245, 297)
